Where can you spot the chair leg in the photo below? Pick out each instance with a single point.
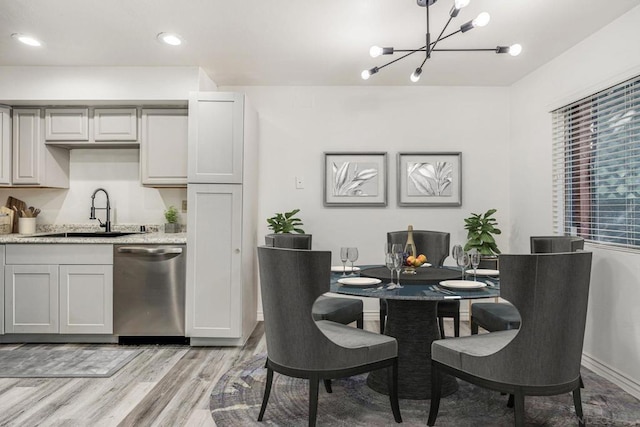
(393, 390)
(581, 382)
(436, 385)
(510, 402)
(441, 326)
(519, 409)
(577, 402)
(383, 314)
(360, 321)
(314, 382)
(327, 386)
(267, 392)
(456, 324)
(474, 327)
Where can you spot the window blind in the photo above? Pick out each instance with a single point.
(596, 166)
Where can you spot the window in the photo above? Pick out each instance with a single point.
(596, 166)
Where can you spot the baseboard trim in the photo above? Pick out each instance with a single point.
(624, 382)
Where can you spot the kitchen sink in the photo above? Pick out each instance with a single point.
(87, 234)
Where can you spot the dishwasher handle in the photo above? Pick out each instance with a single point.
(149, 251)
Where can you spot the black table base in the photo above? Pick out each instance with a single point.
(414, 324)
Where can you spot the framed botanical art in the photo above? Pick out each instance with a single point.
(355, 179)
(430, 179)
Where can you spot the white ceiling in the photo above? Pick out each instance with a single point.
(299, 42)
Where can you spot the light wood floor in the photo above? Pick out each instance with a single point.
(163, 386)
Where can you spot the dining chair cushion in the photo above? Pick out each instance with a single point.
(380, 347)
(341, 310)
(495, 316)
(456, 353)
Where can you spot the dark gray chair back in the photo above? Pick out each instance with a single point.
(555, 244)
(288, 240)
(433, 244)
(291, 280)
(551, 292)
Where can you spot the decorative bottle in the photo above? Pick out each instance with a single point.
(409, 251)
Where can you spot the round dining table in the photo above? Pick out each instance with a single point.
(412, 319)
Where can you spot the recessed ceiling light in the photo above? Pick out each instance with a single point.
(28, 40)
(170, 39)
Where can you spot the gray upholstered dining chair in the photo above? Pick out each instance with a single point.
(336, 309)
(435, 245)
(299, 346)
(540, 358)
(497, 316)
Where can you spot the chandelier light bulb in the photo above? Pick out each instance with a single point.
(365, 75)
(28, 40)
(375, 51)
(459, 4)
(515, 49)
(481, 20)
(415, 76)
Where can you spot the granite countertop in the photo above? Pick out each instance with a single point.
(153, 236)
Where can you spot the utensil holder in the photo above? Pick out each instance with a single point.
(26, 225)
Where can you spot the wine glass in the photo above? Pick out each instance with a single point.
(388, 262)
(457, 250)
(463, 262)
(344, 257)
(352, 256)
(474, 255)
(398, 260)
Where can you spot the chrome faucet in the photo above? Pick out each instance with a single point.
(107, 222)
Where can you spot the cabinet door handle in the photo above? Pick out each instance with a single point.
(237, 251)
(148, 251)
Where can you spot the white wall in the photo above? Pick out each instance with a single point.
(612, 342)
(23, 84)
(298, 124)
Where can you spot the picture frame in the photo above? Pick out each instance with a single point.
(355, 179)
(429, 179)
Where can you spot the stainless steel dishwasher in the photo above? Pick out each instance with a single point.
(149, 290)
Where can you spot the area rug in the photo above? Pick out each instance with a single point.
(236, 399)
(63, 362)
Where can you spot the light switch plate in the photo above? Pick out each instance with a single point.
(299, 182)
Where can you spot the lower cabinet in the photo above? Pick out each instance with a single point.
(62, 294)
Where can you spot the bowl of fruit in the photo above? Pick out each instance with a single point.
(415, 261)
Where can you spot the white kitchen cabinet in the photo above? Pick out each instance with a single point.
(86, 299)
(66, 124)
(163, 147)
(31, 299)
(115, 124)
(35, 164)
(5, 145)
(65, 288)
(216, 137)
(1, 289)
(221, 307)
(214, 302)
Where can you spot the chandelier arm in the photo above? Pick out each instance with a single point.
(465, 50)
(441, 33)
(411, 52)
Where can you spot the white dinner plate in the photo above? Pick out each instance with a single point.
(484, 272)
(358, 281)
(462, 284)
(340, 269)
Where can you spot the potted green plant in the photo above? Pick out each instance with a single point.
(285, 222)
(481, 229)
(171, 216)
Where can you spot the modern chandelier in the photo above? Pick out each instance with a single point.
(430, 46)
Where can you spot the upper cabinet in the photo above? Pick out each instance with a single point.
(35, 164)
(163, 147)
(115, 124)
(66, 124)
(216, 136)
(5, 146)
